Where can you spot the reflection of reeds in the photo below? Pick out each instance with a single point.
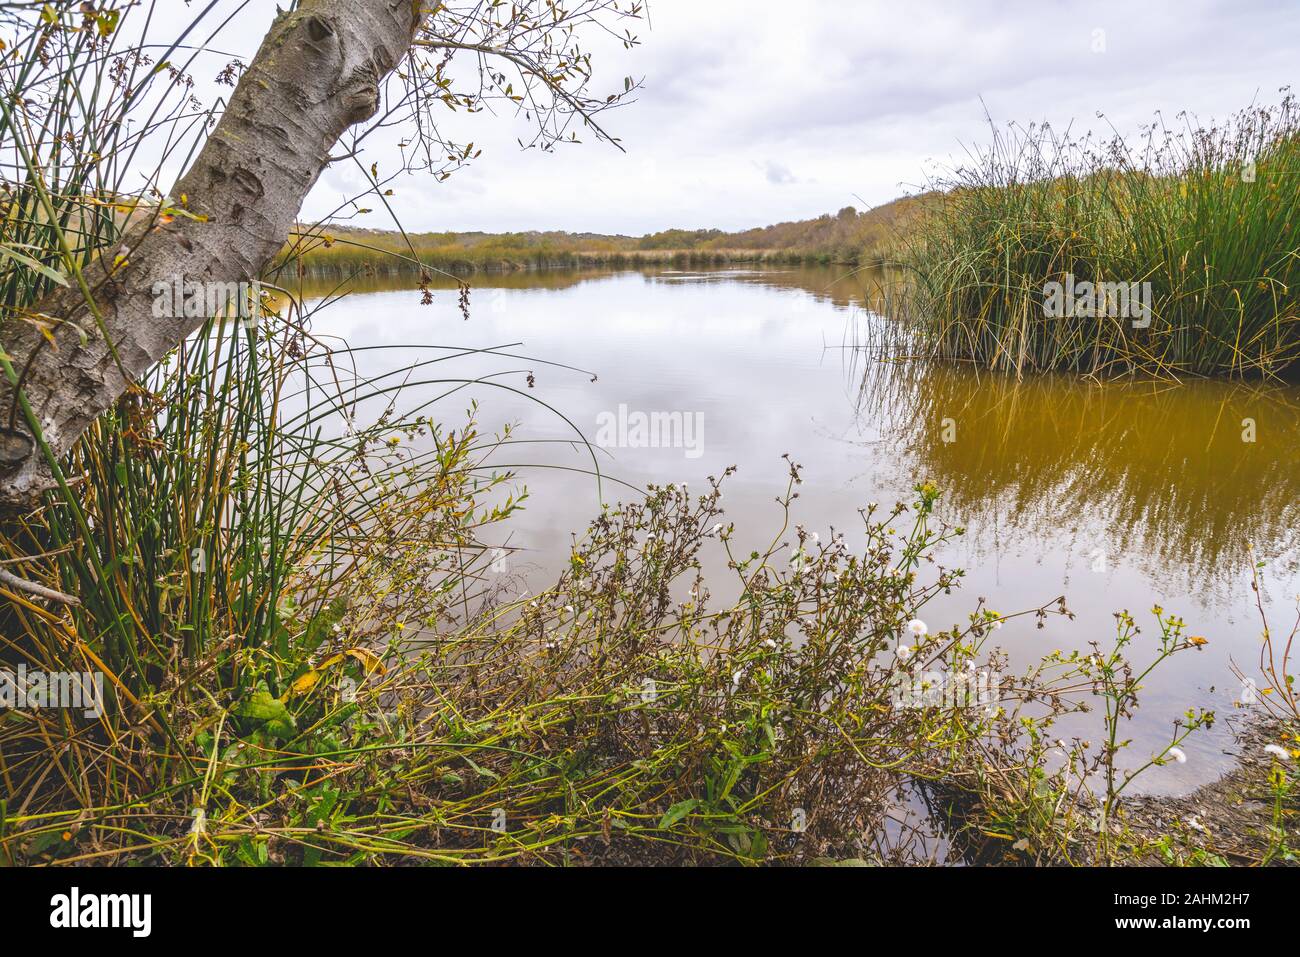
(1207, 217)
(1164, 465)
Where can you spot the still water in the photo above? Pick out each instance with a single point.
(1117, 495)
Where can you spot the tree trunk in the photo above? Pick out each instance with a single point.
(319, 71)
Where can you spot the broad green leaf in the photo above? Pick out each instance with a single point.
(678, 811)
(263, 706)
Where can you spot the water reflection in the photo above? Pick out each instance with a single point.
(1118, 495)
(843, 287)
(1188, 474)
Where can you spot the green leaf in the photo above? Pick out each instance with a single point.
(482, 771)
(842, 862)
(678, 811)
(270, 710)
(107, 22)
(261, 706)
(7, 252)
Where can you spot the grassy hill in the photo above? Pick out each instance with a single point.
(849, 237)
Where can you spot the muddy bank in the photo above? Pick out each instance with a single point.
(1249, 817)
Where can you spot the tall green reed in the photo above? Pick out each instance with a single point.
(1208, 216)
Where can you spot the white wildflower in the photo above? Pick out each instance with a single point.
(917, 627)
(1278, 751)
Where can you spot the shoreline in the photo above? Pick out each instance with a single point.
(1232, 820)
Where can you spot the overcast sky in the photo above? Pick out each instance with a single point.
(759, 111)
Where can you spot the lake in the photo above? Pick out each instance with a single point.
(1117, 495)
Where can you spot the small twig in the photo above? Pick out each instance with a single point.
(22, 584)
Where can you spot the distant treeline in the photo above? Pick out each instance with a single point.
(847, 237)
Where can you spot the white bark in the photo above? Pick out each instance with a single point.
(319, 71)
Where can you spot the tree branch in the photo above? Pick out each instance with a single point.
(319, 71)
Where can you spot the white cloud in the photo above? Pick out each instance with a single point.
(855, 97)
(778, 174)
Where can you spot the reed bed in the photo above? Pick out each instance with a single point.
(1207, 216)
